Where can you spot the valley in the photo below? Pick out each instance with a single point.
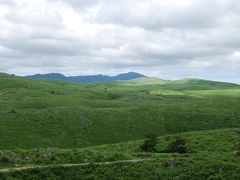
(53, 124)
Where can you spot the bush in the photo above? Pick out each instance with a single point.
(3, 158)
(178, 145)
(12, 111)
(53, 92)
(237, 152)
(150, 143)
(113, 96)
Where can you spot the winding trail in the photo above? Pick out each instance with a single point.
(71, 165)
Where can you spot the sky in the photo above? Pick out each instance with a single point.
(169, 39)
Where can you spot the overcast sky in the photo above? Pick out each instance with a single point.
(169, 39)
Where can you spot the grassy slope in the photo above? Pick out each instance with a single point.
(70, 115)
(210, 156)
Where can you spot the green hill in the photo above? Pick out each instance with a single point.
(210, 155)
(49, 129)
(144, 81)
(48, 113)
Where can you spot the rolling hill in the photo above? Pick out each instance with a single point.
(53, 129)
(48, 113)
(210, 155)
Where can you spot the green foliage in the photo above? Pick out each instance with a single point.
(150, 143)
(73, 115)
(4, 159)
(211, 157)
(186, 169)
(12, 111)
(45, 122)
(237, 152)
(178, 145)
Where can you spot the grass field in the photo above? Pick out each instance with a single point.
(55, 122)
(210, 156)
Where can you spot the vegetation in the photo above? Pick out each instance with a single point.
(46, 124)
(150, 143)
(178, 145)
(237, 152)
(77, 115)
(210, 156)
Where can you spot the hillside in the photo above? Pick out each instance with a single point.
(210, 155)
(48, 113)
(144, 81)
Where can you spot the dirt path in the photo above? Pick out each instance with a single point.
(72, 165)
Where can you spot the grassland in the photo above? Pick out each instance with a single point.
(45, 113)
(46, 122)
(210, 156)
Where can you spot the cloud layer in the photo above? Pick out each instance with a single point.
(169, 39)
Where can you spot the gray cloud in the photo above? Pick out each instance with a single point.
(153, 14)
(169, 39)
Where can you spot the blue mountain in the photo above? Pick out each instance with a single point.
(48, 76)
(87, 79)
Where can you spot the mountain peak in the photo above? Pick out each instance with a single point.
(47, 76)
(88, 78)
(128, 76)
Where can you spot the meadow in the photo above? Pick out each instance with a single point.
(47, 122)
(210, 155)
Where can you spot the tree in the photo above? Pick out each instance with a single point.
(150, 143)
(178, 145)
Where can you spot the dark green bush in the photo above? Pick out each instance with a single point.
(113, 96)
(12, 111)
(150, 143)
(3, 158)
(178, 145)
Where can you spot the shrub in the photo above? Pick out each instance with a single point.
(18, 160)
(48, 155)
(53, 92)
(150, 143)
(113, 96)
(12, 111)
(3, 158)
(237, 152)
(178, 145)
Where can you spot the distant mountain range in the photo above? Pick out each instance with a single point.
(88, 79)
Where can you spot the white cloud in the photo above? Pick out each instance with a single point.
(236, 55)
(155, 37)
